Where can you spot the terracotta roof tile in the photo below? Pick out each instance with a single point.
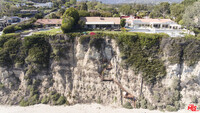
(49, 21)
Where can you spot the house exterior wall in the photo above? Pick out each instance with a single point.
(102, 26)
(156, 26)
(13, 20)
(29, 11)
(3, 24)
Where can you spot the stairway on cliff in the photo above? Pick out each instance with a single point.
(105, 78)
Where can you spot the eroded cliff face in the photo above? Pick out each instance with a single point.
(77, 76)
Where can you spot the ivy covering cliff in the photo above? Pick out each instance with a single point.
(44, 58)
(140, 51)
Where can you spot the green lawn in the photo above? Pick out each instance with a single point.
(50, 32)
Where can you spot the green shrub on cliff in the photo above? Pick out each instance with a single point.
(9, 49)
(84, 39)
(61, 100)
(170, 108)
(96, 42)
(24, 103)
(38, 50)
(128, 105)
(184, 50)
(143, 103)
(141, 51)
(45, 100)
(1, 86)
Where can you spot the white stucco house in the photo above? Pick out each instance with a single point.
(48, 5)
(154, 24)
(149, 25)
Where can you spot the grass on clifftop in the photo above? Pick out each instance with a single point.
(50, 32)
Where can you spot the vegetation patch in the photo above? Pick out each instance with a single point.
(170, 108)
(1, 86)
(38, 50)
(84, 39)
(62, 100)
(96, 42)
(20, 26)
(128, 105)
(45, 100)
(141, 51)
(184, 50)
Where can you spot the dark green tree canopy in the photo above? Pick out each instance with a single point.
(177, 11)
(72, 12)
(73, 1)
(122, 22)
(191, 17)
(67, 24)
(126, 9)
(161, 10)
(83, 13)
(188, 2)
(83, 6)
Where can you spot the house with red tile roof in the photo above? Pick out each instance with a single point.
(49, 22)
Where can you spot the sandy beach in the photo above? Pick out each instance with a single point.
(79, 108)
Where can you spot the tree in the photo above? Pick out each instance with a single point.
(67, 24)
(191, 17)
(142, 14)
(126, 9)
(72, 1)
(122, 22)
(106, 14)
(67, 4)
(39, 16)
(100, 6)
(161, 10)
(95, 13)
(91, 5)
(83, 13)
(53, 16)
(9, 29)
(188, 2)
(83, 6)
(60, 13)
(81, 23)
(176, 11)
(1, 7)
(164, 8)
(72, 12)
(116, 15)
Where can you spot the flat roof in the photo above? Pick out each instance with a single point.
(99, 23)
(101, 20)
(153, 21)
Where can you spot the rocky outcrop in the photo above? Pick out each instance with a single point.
(77, 76)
